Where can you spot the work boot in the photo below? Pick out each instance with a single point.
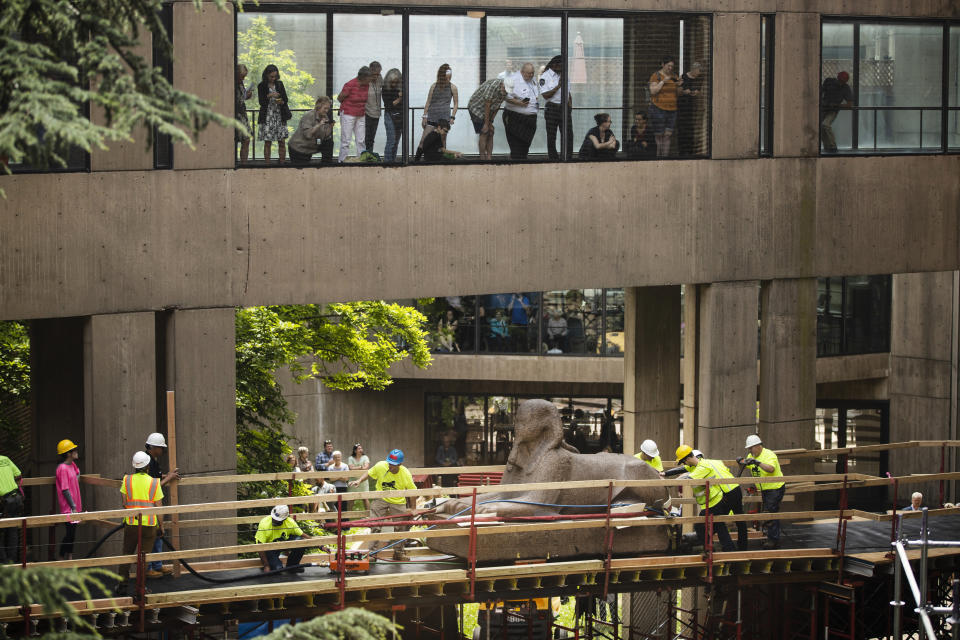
(166, 569)
(771, 544)
(153, 573)
(400, 554)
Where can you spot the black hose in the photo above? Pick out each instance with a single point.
(191, 569)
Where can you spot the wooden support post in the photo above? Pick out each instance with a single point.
(943, 459)
(893, 519)
(608, 540)
(708, 532)
(472, 546)
(842, 530)
(141, 577)
(173, 490)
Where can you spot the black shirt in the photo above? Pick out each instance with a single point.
(833, 93)
(636, 148)
(395, 111)
(587, 150)
(685, 102)
(432, 146)
(154, 470)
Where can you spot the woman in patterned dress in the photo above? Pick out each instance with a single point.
(274, 112)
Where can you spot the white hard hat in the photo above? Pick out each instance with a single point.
(280, 512)
(649, 447)
(752, 439)
(140, 460)
(697, 453)
(156, 440)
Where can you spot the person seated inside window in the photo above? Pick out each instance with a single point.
(432, 148)
(641, 144)
(600, 143)
(499, 332)
(313, 135)
(556, 332)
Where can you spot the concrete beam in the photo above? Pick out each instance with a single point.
(727, 381)
(651, 389)
(736, 85)
(796, 85)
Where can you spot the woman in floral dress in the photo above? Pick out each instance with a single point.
(274, 113)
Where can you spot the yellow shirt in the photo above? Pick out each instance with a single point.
(722, 471)
(705, 471)
(386, 481)
(656, 463)
(140, 491)
(267, 531)
(767, 457)
(8, 471)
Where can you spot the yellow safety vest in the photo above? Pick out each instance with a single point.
(656, 463)
(140, 491)
(768, 457)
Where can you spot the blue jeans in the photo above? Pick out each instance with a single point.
(293, 557)
(156, 565)
(393, 138)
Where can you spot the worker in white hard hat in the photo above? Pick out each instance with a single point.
(139, 491)
(763, 463)
(156, 446)
(650, 454)
(280, 526)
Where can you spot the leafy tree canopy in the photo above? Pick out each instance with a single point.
(350, 624)
(54, 589)
(14, 386)
(257, 48)
(347, 346)
(59, 58)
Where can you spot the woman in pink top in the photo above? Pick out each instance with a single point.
(353, 109)
(68, 492)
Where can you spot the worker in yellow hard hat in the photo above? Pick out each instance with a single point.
(68, 492)
(700, 470)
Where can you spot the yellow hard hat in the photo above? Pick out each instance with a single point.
(65, 445)
(683, 451)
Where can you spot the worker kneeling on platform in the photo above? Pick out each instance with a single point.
(390, 475)
(764, 463)
(717, 500)
(139, 491)
(650, 454)
(280, 526)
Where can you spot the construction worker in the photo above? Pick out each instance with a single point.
(698, 470)
(390, 475)
(11, 506)
(763, 463)
(156, 446)
(139, 491)
(650, 454)
(68, 492)
(280, 526)
(732, 497)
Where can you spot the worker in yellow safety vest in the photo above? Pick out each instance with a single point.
(764, 464)
(699, 470)
(650, 454)
(732, 497)
(139, 491)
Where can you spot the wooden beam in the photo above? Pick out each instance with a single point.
(173, 490)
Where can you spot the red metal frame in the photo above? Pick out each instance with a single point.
(472, 546)
(943, 458)
(23, 565)
(141, 576)
(342, 555)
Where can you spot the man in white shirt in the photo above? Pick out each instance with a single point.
(520, 112)
(552, 92)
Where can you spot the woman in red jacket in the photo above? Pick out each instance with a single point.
(353, 101)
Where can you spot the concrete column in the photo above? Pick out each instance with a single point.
(788, 369)
(736, 85)
(119, 401)
(651, 381)
(796, 85)
(691, 360)
(200, 367)
(205, 35)
(921, 364)
(727, 377)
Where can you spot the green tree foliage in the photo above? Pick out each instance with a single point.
(55, 589)
(58, 58)
(257, 48)
(14, 383)
(350, 624)
(346, 346)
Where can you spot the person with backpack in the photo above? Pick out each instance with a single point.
(835, 94)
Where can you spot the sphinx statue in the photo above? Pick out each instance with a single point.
(540, 455)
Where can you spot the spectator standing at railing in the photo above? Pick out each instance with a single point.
(687, 109)
(664, 86)
(764, 464)
(274, 113)
(916, 502)
(835, 94)
(437, 107)
(353, 109)
(324, 457)
(11, 506)
(483, 107)
(552, 92)
(372, 108)
(392, 96)
(358, 461)
(520, 112)
(303, 460)
(68, 493)
(242, 94)
(314, 134)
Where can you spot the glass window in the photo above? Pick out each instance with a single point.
(509, 322)
(573, 322)
(382, 42)
(614, 341)
(162, 143)
(439, 44)
(766, 84)
(853, 315)
(953, 90)
(296, 43)
(512, 43)
(451, 324)
(836, 58)
(595, 63)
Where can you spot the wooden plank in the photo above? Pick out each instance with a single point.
(173, 490)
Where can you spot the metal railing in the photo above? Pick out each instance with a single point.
(875, 110)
